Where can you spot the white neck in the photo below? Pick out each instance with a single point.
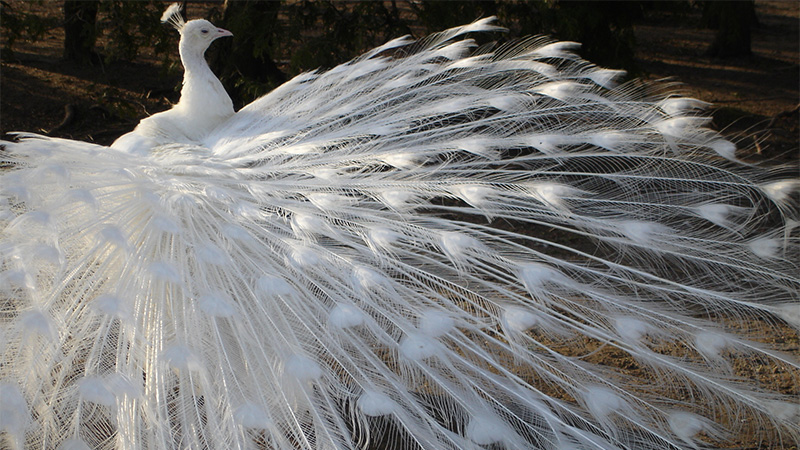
(192, 57)
(202, 93)
(194, 65)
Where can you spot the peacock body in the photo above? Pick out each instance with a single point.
(430, 246)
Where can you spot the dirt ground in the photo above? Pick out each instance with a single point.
(754, 99)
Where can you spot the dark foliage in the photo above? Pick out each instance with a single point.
(277, 40)
(17, 24)
(132, 26)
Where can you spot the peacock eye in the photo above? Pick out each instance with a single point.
(204, 31)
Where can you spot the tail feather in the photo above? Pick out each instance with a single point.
(451, 250)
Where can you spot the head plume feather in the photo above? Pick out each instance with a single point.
(173, 16)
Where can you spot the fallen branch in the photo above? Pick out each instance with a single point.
(69, 117)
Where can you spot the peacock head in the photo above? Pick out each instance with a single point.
(201, 33)
(194, 33)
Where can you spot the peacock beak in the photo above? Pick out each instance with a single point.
(221, 32)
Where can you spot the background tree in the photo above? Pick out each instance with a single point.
(246, 66)
(604, 29)
(128, 26)
(733, 20)
(80, 30)
(277, 40)
(131, 26)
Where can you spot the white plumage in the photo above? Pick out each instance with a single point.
(426, 247)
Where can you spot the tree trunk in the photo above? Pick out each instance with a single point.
(80, 30)
(246, 56)
(733, 19)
